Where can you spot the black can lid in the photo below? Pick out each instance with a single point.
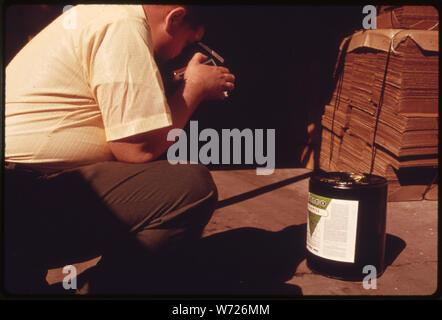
(348, 180)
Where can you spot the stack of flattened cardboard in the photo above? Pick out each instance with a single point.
(383, 115)
(408, 17)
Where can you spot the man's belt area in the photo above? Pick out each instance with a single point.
(21, 167)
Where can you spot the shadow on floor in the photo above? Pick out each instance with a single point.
(393, 247)
(240, 262)
(259, 191)
(244, 261)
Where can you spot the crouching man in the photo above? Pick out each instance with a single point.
(86, 117)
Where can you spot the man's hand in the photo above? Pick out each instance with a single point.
(207, 82)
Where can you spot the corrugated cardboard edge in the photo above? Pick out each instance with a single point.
(383, 39)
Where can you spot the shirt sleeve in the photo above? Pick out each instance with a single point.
(125, 80)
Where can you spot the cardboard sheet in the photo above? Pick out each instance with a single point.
(384, 39)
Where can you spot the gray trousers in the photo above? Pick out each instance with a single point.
(131, 214)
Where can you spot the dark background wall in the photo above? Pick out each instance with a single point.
(283, 58)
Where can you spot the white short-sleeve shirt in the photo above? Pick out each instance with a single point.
(86, 79)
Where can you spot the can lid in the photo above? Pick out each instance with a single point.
(349, 179)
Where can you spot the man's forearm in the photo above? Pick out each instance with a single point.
(183, 104)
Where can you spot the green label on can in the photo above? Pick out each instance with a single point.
(318, 201)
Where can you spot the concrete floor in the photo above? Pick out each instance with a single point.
(256, 236)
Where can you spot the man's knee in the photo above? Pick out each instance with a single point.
(191, 196)
(196, 183)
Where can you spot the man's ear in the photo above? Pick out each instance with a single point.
(175, 18)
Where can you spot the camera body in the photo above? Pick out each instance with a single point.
(178, 75)
(214, 59)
